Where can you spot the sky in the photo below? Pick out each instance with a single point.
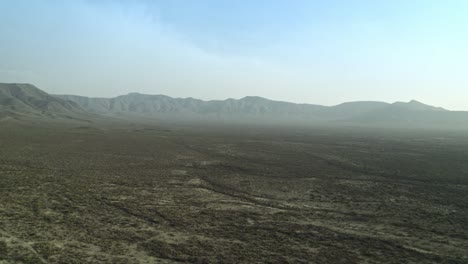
(304, 51)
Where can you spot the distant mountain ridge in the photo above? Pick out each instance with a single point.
(161, 104)
(27, 99)
(249, 106)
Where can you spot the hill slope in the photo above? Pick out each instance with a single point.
(25, 100)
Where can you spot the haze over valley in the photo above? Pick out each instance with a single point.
(27, 100)
(246, 131)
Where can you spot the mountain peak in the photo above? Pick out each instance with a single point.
(414, 105)
(253, 98)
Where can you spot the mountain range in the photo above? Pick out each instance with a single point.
(21, 100)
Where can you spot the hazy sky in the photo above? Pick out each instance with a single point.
(323, 52)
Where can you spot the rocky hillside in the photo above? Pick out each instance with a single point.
(26, 100)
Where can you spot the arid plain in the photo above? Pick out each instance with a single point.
(165, 193)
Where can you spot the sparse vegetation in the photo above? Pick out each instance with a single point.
(176, 193)
(3, 250)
